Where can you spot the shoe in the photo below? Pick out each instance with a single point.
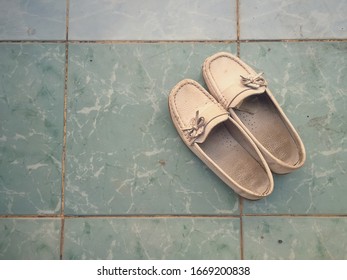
(209, 132)
(245, 94)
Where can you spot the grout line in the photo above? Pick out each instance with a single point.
(154, 216)
(293, 40)
(172, 41)
(120, 216)
(65, 112)
(151, 41)
(67, 20)
(62, 231)
(32, 41)
(170, 216)
(241, 228)
(47, 216)
(74, 41)
(297, 215)
(64, 130)
(238, 27)
(62, 209)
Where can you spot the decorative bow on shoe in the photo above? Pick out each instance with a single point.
(255, 81)
(197, 127)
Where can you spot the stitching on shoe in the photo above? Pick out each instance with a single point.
(176, 112)
(219, 93)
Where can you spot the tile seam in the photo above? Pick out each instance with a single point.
(66, 70)
(172, 41)
(210, 216)
(238, 45)
(56, 216)
(62, 231)
(159, 216)
(62, 209)
(298, 215)
(64, 136)
(32, 41)
(293, 40)
(163, 216)
(241, 228)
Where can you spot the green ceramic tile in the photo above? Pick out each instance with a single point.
(152, 20)
(295, 19)
(147, 238)
(29, 239)
(32, 20)
(309, 81)
(123, 152)
(31, 127)
(295, 238)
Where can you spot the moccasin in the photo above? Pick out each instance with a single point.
(219, 141)
(245, 94)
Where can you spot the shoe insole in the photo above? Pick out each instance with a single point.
(260, 116)
(222, 147)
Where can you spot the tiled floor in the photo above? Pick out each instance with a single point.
(91, 166)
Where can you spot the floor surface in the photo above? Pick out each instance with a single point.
(91, 166)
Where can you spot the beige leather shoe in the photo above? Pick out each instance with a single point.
(244, 93)
(207, 129)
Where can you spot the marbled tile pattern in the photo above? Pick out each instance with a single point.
(296, 19)
(147, 238)
(295, 238)
(29, 239)
(125, 163)
(123, 154)
(309, 81)
(32, 20)
(31, 130)
(152, 20)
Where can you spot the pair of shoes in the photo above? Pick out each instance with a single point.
(238, 129)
